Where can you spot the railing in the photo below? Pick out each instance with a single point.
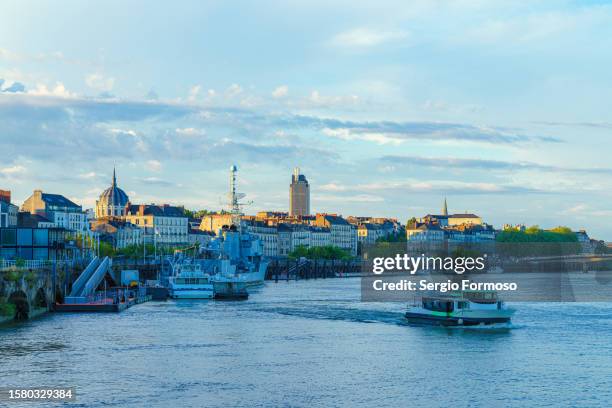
(34, 264)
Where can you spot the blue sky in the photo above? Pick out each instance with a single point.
(388, 107)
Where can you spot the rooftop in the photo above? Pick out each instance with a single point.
(58, 200)
(163, 210)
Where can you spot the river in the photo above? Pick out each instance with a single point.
(312, 343)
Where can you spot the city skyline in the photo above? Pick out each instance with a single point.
(366, 107)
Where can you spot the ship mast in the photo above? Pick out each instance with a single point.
(234, 197)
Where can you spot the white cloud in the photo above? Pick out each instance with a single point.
(190, 131)
(233, 90)
(117, 131)
(12, 170)
(90, 175)
(366, 37)
(281, 91)
(363, 198)
(100, 82)
(154, 165)
(59, 90)
(333, 187)
(194, 92)
(317, 100)
(379, 138)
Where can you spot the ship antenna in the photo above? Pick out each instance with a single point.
(234, 199)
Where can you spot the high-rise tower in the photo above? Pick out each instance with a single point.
(445, 208)
(299, 195)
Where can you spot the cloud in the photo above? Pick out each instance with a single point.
(190, 131)
(78, 128)
(366, 37)
(597, 125)
(397, 132)
(233, 90)
(362, 198)
(316, 99)
(154, 165)
(100, 82)
(492, 165)
(15, 87)
(151, 95)
(12, 170)
(194, 92)
(88, 176)
(59, 90)
(439, 187)
(533, 27)
(40, 57)
(157, 182)
(380, 138)
(281, 91)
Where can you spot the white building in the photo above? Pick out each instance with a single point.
(268, 236)
(57, 209)
(162, 224)
(343, 234)
(291, 236)
(424, 232)
(368, 233)
(319, 236)
(118, 233)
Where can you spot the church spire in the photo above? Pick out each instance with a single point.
(445, 208)
(114, 177)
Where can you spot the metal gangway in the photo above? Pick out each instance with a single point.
(86, 284)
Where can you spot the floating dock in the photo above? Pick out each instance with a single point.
(113, 301)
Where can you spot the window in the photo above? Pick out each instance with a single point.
(9, 237)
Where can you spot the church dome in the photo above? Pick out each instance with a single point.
(112, 201)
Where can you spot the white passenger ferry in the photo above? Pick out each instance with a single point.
(465, 308)
(190, 282)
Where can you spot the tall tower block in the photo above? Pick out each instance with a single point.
(299, 195)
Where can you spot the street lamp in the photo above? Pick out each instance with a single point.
(155, 234)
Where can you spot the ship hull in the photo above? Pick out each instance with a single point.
(192, 293)
(466, 317)
(419, 318)
(255, 278)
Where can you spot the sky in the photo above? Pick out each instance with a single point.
(388, 107)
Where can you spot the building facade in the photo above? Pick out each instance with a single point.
(424, 232)
(268, 236)
(319, 236)
(214, 222)
(57, 209)
(117, 232)
(32, 243)
(8, 211)
(299, 195)
(343, 233)
(163, 224)
(291, 236)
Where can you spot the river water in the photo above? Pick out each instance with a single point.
(312, 343)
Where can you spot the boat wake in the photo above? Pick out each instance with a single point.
(337, 313)
(352, 314)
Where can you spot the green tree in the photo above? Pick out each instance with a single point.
(324, 252)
